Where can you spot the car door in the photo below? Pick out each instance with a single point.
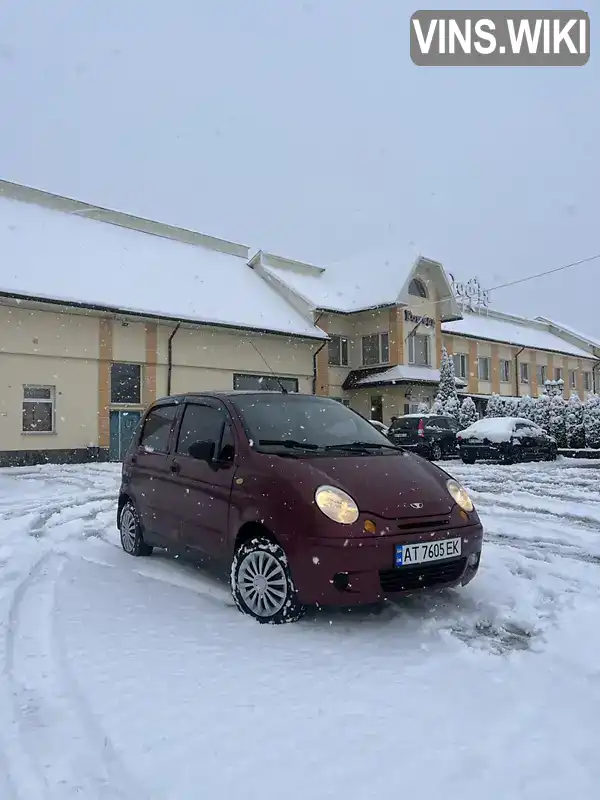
(450, 443)
(150, 476)
(203, 465)
(526, 437)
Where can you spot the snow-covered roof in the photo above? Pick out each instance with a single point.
(497, 327)
(53, 255)
(367, 281)
(569, 329)
(404, 373)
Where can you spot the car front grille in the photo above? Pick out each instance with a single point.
(406, 579)
(423, 523)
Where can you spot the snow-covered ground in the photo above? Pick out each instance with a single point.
(128, 678)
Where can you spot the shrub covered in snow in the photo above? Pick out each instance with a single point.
(511, 407)
(557, 420)
(423, 407)
(495, 406)
(591, 421)
(468, 413)
(452, 408)
(575, 429)
(542, 412)
(526, 408)
(447, 387)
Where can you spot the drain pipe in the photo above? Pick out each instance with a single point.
(315, 354)
(170, 356)
(517, 371)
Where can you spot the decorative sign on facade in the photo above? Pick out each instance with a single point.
(470, 294)
(410, 317)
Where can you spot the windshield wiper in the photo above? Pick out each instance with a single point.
(362, 446)
(292, 443)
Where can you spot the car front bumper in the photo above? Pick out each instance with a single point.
(367, 563)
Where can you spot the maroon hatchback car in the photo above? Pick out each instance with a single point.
(305, 499)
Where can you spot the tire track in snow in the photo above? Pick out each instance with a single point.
(56, 749)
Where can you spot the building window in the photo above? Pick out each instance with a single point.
(587, 381)
(126, 384)
(559, 374)
(264, 383)
(572, 379)
(38, 409)
(418, 350)
(417, 288)
(524, 373)
(375, 349)
(504, 370)
(343, 400)
(377, 407)
(483, 368)
(338, 351)
(461, 365)
(541, 375)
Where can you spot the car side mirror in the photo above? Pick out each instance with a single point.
(202, 451)
(227, 453)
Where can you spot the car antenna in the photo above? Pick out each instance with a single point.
(281, 386)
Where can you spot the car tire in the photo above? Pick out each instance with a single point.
(130, 528)
(435, 453)
(273, 599)
(468, 459)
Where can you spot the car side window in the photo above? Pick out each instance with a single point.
(437, 425)
(202, 429)
(157, 429)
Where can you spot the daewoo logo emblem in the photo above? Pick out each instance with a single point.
(416, 505)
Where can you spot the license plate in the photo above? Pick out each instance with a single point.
(421, 553)
(401, 435)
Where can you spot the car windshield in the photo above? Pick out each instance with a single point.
(298, 420)
(405, 424)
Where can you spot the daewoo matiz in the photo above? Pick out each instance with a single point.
(303, 497)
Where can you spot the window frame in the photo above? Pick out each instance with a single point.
(588, 383)
(461, 359)
(227, 423)
(421, 290)
(381, 335)
(32, 400)
(343, 343)
(412, 341)
(524, 377)
(572, 379)
(505, 374)
(542, 374)
(559, 373)
(486, 360)
(173, 427)
(127, 403)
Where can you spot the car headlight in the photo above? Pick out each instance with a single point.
(336, 504)
(459, 495)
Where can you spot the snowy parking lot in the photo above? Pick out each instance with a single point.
(132, 678)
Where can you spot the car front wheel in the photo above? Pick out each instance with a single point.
(261, 583)
(436, 452)
(130, 528)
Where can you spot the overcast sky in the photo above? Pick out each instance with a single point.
(302, 126)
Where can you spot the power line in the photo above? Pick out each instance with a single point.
(547, 272)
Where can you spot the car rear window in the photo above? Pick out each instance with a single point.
(405, 424)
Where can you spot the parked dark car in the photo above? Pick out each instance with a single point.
(510, 439)
(301, 496)
(432, 436)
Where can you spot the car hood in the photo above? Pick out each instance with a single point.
(388, 486)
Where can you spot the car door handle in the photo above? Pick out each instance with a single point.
(175, 467)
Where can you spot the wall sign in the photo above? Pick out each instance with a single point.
(410, 317)
(470, 294)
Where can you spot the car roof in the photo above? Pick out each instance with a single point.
(233, 393)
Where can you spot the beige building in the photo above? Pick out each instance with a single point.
(101, 312)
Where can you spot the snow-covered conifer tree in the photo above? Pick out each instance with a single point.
(591, 421)
(452, 407)
(447, 386)
(526, 407)
(423, 407)
(495, 406)
(511, 405)
(575, 429)
(542, 411)
(557, 423)
(468, 413)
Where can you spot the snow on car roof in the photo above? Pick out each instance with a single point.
(513, 330)
(496, 429)
(53, 255)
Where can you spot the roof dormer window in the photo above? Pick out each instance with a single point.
(417, 288)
